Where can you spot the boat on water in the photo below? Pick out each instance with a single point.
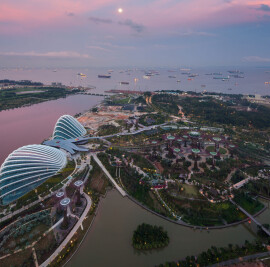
(185, 73)
(81, 74)
(124, 83)
(193, 75)
(221, 78)
(104, 76)
(234, 71)
(178, 81)
(238, 76)
(183, 69)
(217, 73)
(171, 76)
(209, 73)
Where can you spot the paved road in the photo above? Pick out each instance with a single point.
(120, 189)
(251, 217)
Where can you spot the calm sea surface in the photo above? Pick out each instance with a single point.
(254, 81)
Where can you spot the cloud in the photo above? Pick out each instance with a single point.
(107, 46)
(134, 26)
(128, 22)
(70, 14)
(264, 7)
(59, 54)
(98, 48)
(193, 33)
(100, 20)
(255, 59)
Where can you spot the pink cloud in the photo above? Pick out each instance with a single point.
(201, 13)
(32, 14)
(58, 54)
(21, 16)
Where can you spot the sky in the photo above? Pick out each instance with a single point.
(142, 33)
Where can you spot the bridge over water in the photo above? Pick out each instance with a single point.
(251, 217)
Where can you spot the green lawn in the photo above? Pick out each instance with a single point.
(212, 149)
(190, 190)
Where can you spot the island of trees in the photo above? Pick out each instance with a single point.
(147, 236)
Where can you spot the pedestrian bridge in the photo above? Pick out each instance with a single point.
(251, 217)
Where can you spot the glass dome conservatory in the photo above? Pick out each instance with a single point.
(68, 127)
(26, 168)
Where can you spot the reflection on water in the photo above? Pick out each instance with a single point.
(31, 125)
(108, 242)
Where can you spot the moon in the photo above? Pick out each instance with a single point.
(120, 10)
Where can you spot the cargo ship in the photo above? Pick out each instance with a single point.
(193, 75)
(237, 76)
(81, 74)
(222, 78)
(126, 83)
(104, 76)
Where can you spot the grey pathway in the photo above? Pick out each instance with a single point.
(120, 189)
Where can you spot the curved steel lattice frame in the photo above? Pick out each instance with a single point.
(28, 167)
(68, 127)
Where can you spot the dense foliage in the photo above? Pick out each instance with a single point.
(203, 213)
(209, 110)
(23, 82)
(108, 129)
(215, 111)
(216, 255)
(147, 236)
(9, 98)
